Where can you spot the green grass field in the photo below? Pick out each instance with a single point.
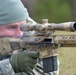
(67, 58)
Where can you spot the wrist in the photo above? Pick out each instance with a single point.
(14, 62)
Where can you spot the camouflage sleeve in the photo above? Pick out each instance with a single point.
(6, 68)
(30, 20)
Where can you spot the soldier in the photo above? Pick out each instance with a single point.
(12, 15)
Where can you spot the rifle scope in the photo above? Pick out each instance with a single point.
(66, 26)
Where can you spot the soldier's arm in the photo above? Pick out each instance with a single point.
(6, 68)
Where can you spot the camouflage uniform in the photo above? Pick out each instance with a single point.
(6, 68)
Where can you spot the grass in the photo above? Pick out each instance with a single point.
(67, 58)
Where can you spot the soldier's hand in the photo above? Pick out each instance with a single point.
(24, 61)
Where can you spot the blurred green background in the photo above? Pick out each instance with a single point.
(56, 11)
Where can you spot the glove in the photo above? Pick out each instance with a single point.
(24, 61)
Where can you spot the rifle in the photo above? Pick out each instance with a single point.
(48, 43)
(45, 41)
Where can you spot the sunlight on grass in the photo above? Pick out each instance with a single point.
(67, 60)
